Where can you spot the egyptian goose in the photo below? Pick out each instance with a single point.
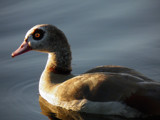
(109, 90)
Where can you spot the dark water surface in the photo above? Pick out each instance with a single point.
(117, 32)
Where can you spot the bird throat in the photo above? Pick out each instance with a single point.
(58, 64)
(58, 70)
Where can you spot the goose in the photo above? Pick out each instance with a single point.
(107, 90)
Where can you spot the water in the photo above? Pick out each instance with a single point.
(100, 33)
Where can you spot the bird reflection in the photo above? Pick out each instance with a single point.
(58, 113)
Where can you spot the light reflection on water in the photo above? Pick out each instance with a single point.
(100, 33)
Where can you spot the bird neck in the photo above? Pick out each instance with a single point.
(57, 70)
(59, 63)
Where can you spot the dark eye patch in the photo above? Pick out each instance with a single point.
(38, 34)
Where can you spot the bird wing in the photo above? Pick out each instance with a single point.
(146, 99)
(100, 87)
(118, 70)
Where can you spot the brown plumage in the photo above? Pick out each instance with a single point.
(102, 87)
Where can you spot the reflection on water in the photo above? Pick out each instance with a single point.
(54, 113)
(100, 33)
(57, 112)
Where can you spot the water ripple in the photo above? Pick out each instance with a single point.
(23, 96)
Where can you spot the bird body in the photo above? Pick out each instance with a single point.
(110, 90)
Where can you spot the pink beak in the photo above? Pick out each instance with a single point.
(22, 49)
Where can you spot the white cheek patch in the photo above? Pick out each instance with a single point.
(35, 44)
(30, 39)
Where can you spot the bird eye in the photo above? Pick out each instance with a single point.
(38, 34)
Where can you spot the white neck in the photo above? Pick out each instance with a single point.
(50, 76)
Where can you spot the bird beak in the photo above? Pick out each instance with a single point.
(24, 47)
